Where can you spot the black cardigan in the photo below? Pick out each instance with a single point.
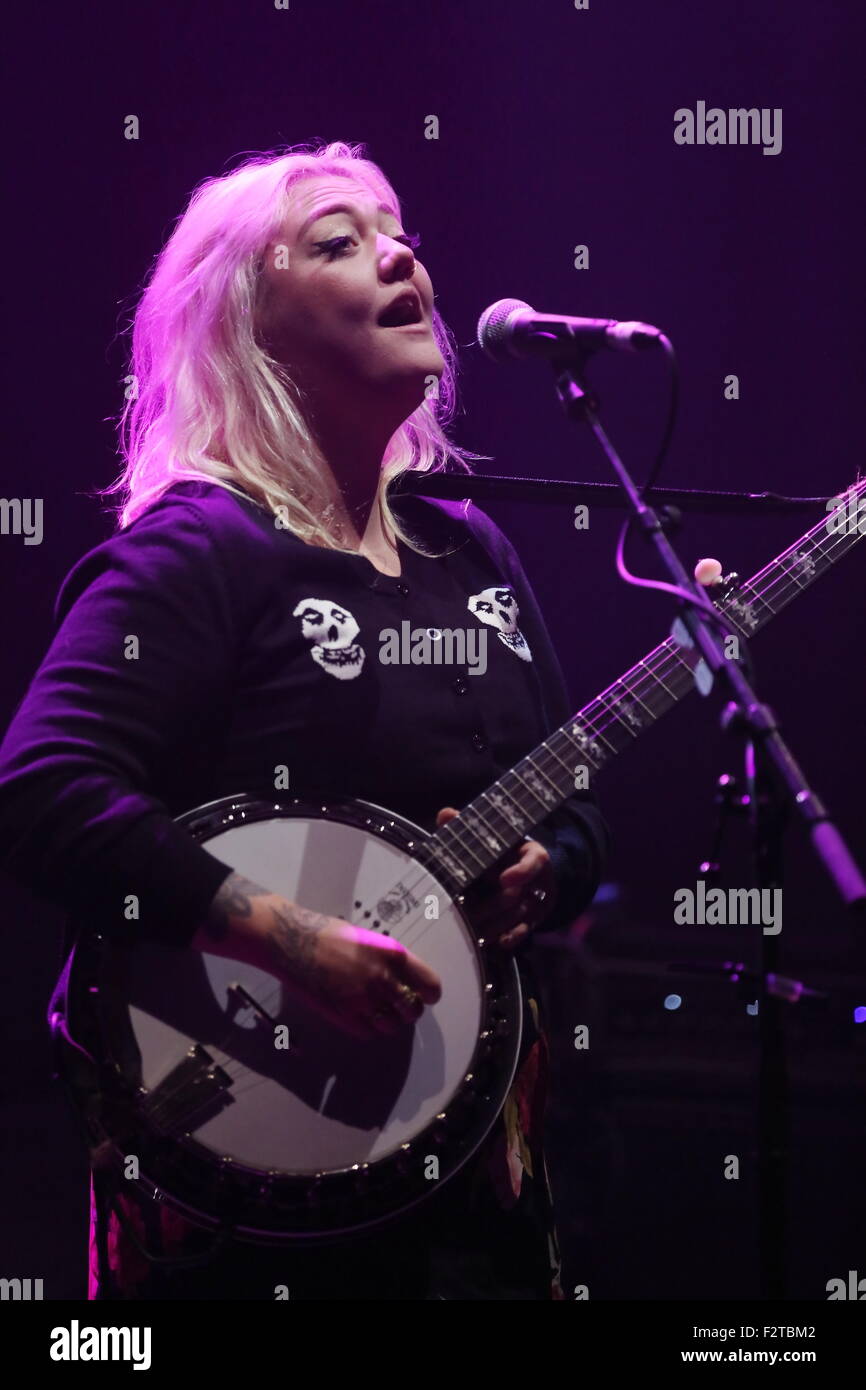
(204, 647)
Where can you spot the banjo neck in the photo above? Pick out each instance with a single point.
(564, 761)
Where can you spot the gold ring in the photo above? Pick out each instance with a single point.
(410, 995)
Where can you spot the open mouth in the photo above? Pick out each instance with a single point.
(402, 311)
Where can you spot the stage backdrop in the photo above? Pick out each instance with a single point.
(582, 158)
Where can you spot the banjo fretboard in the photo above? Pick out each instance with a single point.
(503, 814)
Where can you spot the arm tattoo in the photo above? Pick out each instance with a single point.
(295, 932)
(294, 929)
(233, 899)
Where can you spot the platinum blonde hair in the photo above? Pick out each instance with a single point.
(207, 401)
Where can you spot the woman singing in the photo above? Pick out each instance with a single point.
(287, 364)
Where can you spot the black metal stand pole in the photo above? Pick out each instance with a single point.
(776, 783)
(768, 815)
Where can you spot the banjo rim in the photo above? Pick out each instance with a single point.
(181, 1170)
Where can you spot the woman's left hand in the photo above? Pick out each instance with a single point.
(508, 903)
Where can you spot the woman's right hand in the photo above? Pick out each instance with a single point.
(362, 982)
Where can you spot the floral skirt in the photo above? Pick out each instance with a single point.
(489, 1234)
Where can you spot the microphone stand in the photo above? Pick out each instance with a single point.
(776, 784)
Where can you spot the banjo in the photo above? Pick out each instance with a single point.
(213, 1089)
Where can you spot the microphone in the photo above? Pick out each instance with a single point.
(512, 328)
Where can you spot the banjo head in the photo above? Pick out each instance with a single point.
(243, 1104)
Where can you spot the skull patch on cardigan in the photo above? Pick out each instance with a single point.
(332, 631)
(498, 608)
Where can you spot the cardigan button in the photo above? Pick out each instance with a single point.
(478, 742)
(401, 588)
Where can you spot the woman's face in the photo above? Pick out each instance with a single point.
(328, 280)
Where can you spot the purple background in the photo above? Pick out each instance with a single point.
(556, 129)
